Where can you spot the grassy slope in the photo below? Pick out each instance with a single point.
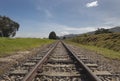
(103, 51)
(105, 44)
(9, 45)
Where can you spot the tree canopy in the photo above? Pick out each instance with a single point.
(8, 27)
(52, 35)
(102, 30)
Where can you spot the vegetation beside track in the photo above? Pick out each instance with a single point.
(10, 45)
(105, 44)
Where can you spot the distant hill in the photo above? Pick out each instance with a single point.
(115, 29)
(70, 35)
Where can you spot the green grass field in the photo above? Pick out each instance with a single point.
(10, 45)
(103, 51)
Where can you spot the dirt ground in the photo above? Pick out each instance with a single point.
(18, 57)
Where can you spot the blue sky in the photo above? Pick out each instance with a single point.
(37, 18)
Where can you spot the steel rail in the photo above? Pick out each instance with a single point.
(91, 76)
(31, 75)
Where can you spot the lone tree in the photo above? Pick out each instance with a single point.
(8, 27)
(52, 35)
(102, 30)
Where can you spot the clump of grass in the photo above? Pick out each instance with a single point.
(10, 45)
(111, 54)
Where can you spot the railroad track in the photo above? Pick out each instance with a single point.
(58, 63)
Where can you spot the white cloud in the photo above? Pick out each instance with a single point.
(80, 29)
(43, 29)
(64, 33)
(84, 29)
(92, 4)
